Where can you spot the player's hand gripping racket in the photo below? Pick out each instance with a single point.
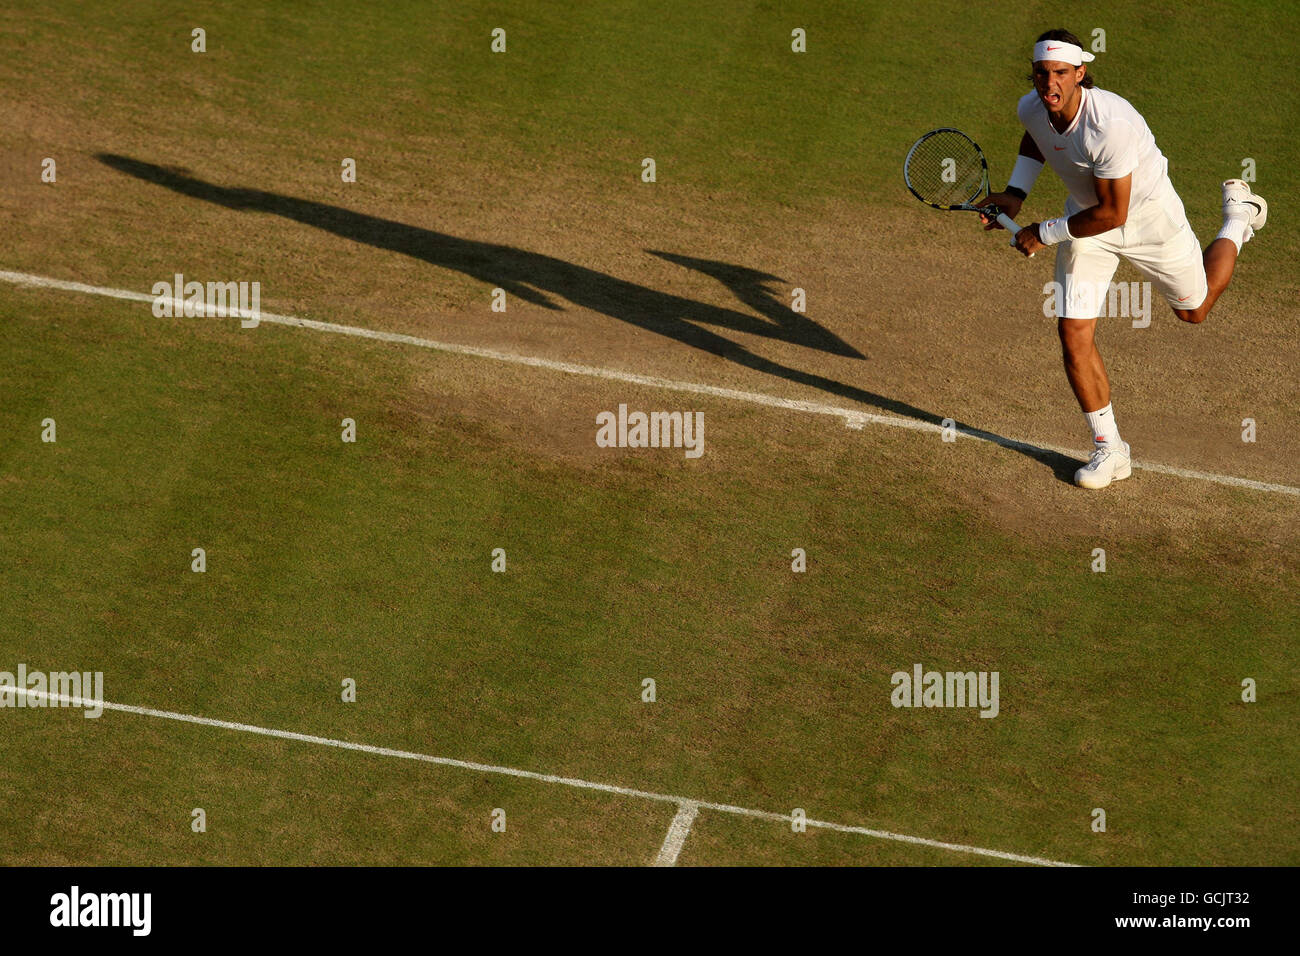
(946, 169)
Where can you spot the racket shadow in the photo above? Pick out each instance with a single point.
(754, 289)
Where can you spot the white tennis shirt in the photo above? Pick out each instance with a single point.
(1108, 139)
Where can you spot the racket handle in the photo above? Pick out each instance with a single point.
(1009, 224)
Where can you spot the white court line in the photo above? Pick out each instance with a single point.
(525, 775)
(853, 418)
(677, 834)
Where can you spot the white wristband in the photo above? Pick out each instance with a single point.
(1024, 174)
(1054, 230)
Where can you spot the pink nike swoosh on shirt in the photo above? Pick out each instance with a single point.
(1058, 148)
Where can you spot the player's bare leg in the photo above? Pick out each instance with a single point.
(1243, 213)
(1220, 260)
(1110, 459)
(1083, 364)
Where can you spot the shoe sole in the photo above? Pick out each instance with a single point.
(1262, 216)
(1257, 221)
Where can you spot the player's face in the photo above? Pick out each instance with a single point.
(1057, 84)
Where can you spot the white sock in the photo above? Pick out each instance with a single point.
(1237, 228)
(1105, 433)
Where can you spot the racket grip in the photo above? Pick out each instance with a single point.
(1009, 224)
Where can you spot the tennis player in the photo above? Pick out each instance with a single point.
(1121, 203)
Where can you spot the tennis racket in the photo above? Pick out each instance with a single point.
(946, 169)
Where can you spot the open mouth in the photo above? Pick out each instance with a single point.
(1052, 99)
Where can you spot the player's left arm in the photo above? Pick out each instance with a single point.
(1111, 212)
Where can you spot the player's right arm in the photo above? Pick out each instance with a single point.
(1010, 202)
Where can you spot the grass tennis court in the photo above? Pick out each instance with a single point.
(372, 560)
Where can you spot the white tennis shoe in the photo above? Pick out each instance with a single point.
(1238, 199)
(1105, 465)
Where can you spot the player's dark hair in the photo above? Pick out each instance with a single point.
(1065, 36)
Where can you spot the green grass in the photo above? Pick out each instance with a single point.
(718, 99)
(371, 561)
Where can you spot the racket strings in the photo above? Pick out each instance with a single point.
(946, 169)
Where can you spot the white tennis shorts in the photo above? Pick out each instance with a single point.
(1157, 239)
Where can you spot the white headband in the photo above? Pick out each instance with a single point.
(1061, 51)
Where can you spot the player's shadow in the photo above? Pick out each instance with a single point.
(540, 279)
